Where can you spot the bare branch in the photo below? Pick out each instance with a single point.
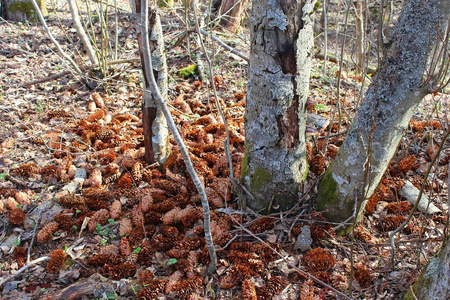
(24, 268)
(52, 38)
(157, 95)
(81, 33)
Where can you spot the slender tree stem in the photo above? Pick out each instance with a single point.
(55, 42)
(211, 80)
(190, 168)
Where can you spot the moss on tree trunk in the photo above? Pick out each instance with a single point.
(21, 11)
(385, 112)
(434, 280)
(274, 162)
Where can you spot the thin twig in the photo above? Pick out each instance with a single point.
(56, 76)
(353, 216)
(36, 224)
(315, 279)
(416, 205)
(45, 79)
(213, 85)
(21, 270)
(81, 32)
(170, 122)
(54, 41)
(18, 181)
(225, 46)
(215, 38)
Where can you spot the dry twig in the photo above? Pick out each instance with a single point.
(170, 122)
(24, 268)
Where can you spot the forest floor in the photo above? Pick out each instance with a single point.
(133, 230)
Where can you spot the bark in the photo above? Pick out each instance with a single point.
(21, 10)
(434, 282)
(154, 123)
(232, 11)
(384, 115)
(360, 34)
(280, 61)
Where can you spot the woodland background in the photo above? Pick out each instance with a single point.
(87, 216)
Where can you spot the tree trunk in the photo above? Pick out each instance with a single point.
(389, 104)
(232, 11)
(154, 123)
(20, 10)
(280, 61)
(434, 282)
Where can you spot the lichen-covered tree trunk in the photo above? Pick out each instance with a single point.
(389, 104)
(154, 123)
(280, 61)
(20, 10)
(434, 282)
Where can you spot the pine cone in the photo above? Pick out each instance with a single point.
(46, 232)
(56, 260)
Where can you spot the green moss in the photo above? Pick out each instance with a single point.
(188, 71)
(317, 6)
(165, 3)
(329, 201)
(327, 191)
(259, 179)
(421, 283)
(27, 8)
(305, 175)
(245, 170)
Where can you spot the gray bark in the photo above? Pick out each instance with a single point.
(389, 104)
(434, 282)
(279, 70)
(156, 132)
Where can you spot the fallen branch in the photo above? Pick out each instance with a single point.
(83, 288)
(24, 268)
(19, 181)
(45, 79)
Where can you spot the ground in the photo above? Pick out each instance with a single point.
(137, 228)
